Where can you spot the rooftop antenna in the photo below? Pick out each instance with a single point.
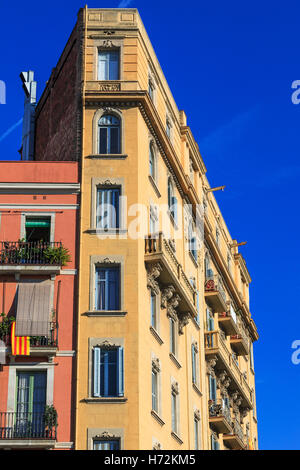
(29, 87)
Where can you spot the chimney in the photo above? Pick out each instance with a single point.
(29, 87)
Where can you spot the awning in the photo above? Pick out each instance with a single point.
(33, 309)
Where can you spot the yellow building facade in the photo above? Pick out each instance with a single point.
(164, 355)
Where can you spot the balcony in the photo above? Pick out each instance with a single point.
(240, 343)
(158, 250)
(228, 322)
(39, 345)
(215, 345)
(214, 292)
(236, 439)
(30, 257)
(19, 429)
(219, 416)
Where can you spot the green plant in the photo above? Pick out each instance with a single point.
(50, 416)
(5, 325)
(57, 255)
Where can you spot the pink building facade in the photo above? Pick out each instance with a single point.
(39, 203)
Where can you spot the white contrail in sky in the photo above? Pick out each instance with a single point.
(11, 129)
(124, 3)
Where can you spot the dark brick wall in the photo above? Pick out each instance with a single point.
(56, 128)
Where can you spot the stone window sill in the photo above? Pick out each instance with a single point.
(175, 360)
(104, 156)
(156, 335)
(153, 182)
(105, 313)
(157, 417)
(105, 400)
(176, 437)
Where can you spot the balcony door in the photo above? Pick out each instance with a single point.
(30, 404)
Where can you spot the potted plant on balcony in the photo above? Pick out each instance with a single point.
(50, 420)
(57, 255)
(5, 325)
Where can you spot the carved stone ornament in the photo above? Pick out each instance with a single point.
(153, 272)
(183, 321)
(197, 415)
(107, 43)
(223, 382)
(196, 347)
(210, 365)
(243, 413)
(109, 86)
(175, 388)
(157, 446)
(156, 365)
(166, 295)
(172, 305)
(107, 345)
(105, 435)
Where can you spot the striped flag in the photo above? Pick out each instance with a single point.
(20, 345)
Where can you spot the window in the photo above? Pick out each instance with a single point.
(192, 241)
(107, 288)
(210, 322)
(151, 89)
(191, 171)
(154, 390)
(251, 357)
(168, 128)
(103, 444)
(212, 388)
(153, 308)
(153, 219)
(172, 200)
(195, 375)
(108, 371)
(108, 208)
(30, 404)
(175, 408)
(214, 443)
(152, 162)
(197, 431)
(173, 336)
(108, 65)
(218, 237)
(109, 134)
(208, 270)
(37, 229)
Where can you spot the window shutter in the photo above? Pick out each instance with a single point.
(103, 66)
(114, 140)
(120, 371)
(103, 140)
(97, 354)
(113, 301)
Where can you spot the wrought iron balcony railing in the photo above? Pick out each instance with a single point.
(26, 425)
(217, 409)
(30, 253)
(48, 341)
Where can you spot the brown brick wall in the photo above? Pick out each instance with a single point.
(56, 132)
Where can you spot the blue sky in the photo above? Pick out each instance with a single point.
(230, 66)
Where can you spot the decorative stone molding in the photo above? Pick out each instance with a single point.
(243, 414)
(105, 435)
(210, 365)
(156, 365)
(108, 44)
(223, 382)
(153, 272)
(197, 415)
(183, 321)
(107, 345)
(166, 295)
(196, 347)
(175, 388)
(157, 446)
(172, 305)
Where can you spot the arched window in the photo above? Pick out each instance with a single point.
(172, 200)
(152, 161)
(109, 134)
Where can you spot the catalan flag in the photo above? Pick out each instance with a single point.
(20, 345)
